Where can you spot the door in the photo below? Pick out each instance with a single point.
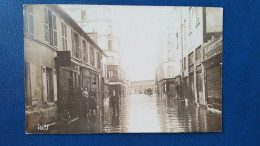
(199, 87)
(214, 86)
(192, 93)
(28, 94)
(49, 83)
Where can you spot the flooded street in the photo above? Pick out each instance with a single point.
(143, 113)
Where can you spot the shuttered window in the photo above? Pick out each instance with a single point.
(85, 51)
(46, 25)
(50, 27)
(28, 19)
(92, 57)
(54, 31)
(75, 44)
(64, 36)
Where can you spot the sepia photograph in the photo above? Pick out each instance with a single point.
(122, 69)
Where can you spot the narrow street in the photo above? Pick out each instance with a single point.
(139, 113)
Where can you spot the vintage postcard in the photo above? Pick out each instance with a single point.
(122, 69)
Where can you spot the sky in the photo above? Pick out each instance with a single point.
(141, 33)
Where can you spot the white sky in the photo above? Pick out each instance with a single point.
(141, 33)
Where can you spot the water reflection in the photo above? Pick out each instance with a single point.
(143, 113)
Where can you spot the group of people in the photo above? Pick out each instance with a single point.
(88, 102)
(81, 101)
(148, 91)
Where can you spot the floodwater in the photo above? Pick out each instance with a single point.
(143, 113)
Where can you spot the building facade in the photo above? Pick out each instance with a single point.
(194, 51)
(59, 58)
(201, 56)
(101, 24)
(167, 74)
(139, 87)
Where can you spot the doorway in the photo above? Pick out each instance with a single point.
(50, 88)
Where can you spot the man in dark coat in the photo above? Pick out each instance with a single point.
(92, 101)
(114, 101)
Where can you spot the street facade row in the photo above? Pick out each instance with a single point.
(192, 57)
(60, 58)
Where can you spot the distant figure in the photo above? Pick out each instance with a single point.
(92, 101)
(114, 101)
(179, 92)
(84, 99)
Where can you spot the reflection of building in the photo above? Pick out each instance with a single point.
(137, 87)
(100, 23)
(59, 57)
(200, 40)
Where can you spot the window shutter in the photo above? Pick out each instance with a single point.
(73, 43)
(30, 20)
(55, 84)
(79, 49)
(50, 27)
(25, 22)
(54, 31)
(46, 25)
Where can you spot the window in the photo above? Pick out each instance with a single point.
(109, 29)
(50, 27)
(54, 31)
(184, 63)
(110, 60)
(85, 51)
(190, 20)
(170, 71)
(75, 44)
(98, 60)
(110, 73)
(170, 55)
(177, 41)
(83, 14)
(197, 16)
(184, 29)
(28, 19)
(191, 55)
(64, 36)
(198, 53)
(110, 45)
(92, 56)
